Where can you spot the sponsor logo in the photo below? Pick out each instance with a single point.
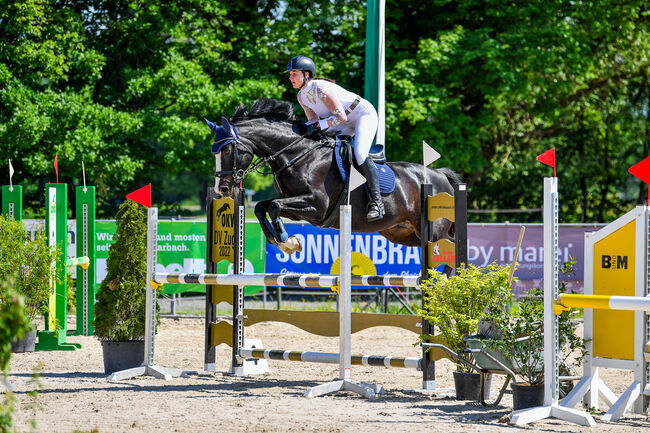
(613, 262)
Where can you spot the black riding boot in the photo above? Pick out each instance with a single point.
(375, 204)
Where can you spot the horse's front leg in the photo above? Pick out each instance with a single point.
(261, 209)
(300, 207)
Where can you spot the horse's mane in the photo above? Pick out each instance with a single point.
(265, 108)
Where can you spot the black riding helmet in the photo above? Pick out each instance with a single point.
(302, 63)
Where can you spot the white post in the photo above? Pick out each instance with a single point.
(151, 301)
(345, 296)
(148, 368)
(551, 409)
(345, 320)
(551, 368)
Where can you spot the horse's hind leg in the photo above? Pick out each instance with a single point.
(261, 208)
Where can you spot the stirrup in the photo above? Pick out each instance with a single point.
(375, 211)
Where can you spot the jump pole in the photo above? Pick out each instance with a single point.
(231, 227)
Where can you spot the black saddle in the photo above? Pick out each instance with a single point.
(377, 151)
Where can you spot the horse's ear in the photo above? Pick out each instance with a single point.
(229, 127)
(212, 126)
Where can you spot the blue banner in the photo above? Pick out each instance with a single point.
(372, 254)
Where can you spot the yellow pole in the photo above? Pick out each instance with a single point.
(567, 300)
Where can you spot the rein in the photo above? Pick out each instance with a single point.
(239, 175)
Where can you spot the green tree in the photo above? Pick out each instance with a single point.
(124, 87)
(121, 299)
(494, 84)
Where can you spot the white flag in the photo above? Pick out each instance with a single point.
(356, 179)
(11, 170)
(429, 154)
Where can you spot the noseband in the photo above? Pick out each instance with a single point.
(237, 174)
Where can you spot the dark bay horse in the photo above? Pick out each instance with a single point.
(308, 181)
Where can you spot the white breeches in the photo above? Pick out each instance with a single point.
(362, 124)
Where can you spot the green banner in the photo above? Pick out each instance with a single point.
(181, 248)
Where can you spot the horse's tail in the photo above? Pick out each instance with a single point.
(453, 177)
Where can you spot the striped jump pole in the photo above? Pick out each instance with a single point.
(84, 262)
(600, 302)
(331, 358)
(287, 280)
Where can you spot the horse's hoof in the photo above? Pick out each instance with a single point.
(290, 246)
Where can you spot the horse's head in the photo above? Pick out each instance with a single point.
(232, 157)
(263, 130)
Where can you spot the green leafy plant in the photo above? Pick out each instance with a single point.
(454, 305)
(28, 263)
(14, 321)
(121, 300)
(14, 324)
(522, 339)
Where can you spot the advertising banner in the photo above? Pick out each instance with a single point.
(488, 243)
(374, 254)
(181, 248)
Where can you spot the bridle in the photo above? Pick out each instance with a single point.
(238, 175)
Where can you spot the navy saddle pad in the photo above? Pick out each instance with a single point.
(386, 174)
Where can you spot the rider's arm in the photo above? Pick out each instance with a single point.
(334, 105)
(311, 114)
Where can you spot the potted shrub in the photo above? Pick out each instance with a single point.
(28, 263)
(522, 343)
(454, 306)
(121, 299)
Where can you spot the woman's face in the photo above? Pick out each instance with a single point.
(296, 78)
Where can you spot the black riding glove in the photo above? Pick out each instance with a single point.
(312, 127)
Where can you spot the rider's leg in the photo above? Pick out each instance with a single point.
(375, 204)
(366, 127)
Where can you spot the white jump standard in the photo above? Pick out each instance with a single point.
(148, 367)
(623, 243)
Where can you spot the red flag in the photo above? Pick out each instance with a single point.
(141, 196)
(56, 166)
(548, 158)
(642, 171)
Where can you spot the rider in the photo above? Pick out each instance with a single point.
(329, 106)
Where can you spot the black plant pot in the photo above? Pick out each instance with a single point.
(468, 385)
(122, 355)
(525, 395)
(26, 344)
